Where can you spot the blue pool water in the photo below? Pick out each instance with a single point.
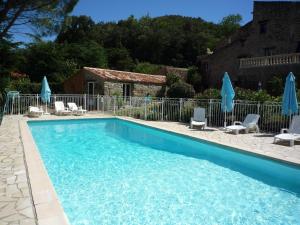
(109, 171)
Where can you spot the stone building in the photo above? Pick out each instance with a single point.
(267, 46)
(181, 72)
(95, 81)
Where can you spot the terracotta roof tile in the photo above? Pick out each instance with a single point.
(115, 75)
(17, 75)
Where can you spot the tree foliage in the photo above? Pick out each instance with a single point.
(194, 78)
(44, 16)
(230, 24)
(166, 40)
(140, 45)
(147, 68)
(240, 94)
(58, 62)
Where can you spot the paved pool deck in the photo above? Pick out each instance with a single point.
(27, 196)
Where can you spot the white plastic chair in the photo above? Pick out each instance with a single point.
(292, 134)
(35, 111)
(199, 118)
(60, 108)
(75, 109)
(250, 123)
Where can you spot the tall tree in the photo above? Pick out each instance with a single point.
(230, 24)
(76, 29)
(42, 16)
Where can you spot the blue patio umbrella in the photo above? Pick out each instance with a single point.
(289, 100)
(45, 92)
(227, 94)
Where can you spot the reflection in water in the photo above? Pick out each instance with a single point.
(270, 172)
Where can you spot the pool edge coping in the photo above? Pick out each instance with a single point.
(46, 203)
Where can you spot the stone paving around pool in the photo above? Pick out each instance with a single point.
(16, 206)
(16, 202)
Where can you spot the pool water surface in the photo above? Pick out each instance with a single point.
(110, 171)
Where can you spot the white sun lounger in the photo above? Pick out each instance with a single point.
(292, 134)
(199, 118)
(60, 109)
(249, 124)
(75, 109)
(35, 111)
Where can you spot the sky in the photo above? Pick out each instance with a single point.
(210, 10)
(114, 10)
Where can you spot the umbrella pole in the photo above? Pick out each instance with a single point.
(225, 113)
(46, 112)
(290, 120)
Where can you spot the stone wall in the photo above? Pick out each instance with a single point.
(144, 89)
(282, 36)
(113, 88)
(250, 77)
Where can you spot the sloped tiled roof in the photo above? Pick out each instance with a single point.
(18, 75)
(124, 76)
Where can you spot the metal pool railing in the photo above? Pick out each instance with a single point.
(164, 109)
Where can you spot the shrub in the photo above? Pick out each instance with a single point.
(209, 94)
(194, 78)
(240, 94)
(172, 79)
(250, 95)
(24, 86)
(181, 90)
(147, 68)
(275, 86)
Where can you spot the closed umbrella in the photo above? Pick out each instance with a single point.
(227, 94)
(289, 101)
(45, 92)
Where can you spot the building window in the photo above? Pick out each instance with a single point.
(269, 51)
(263, 27)
(91, 88)
(126, 90)
(242, 41)
(298, 47)
(204, 66)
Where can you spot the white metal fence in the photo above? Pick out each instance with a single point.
(166, 109)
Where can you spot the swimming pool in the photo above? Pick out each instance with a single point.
(110, 171)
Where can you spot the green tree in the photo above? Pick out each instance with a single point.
(45, 59)
(230, 24)
(76, 29)
(44, 16)
(88, 53)
(147, 68)
(119, 59)
(168, 40)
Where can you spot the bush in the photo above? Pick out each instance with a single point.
(172, 79)
(194, 78)
(181, 90)
(147, 68)
(209, 94)
(250, 95)
(240, 94)
(275, 86)
(24, 86)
